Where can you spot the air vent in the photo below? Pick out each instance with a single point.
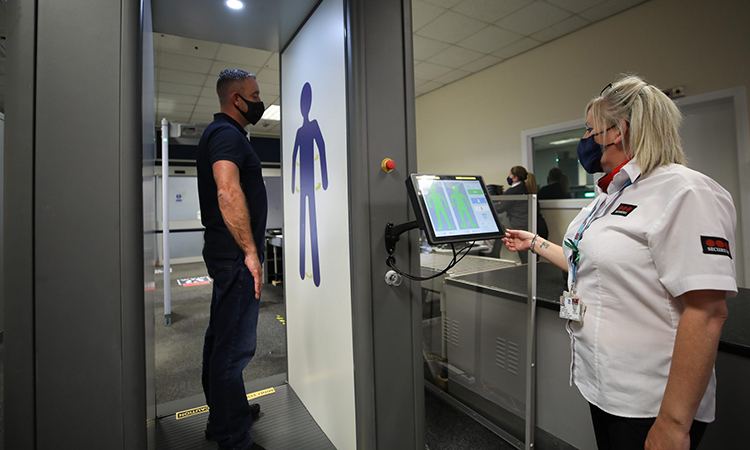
(501, 353)
(513, 358)
(451, 331)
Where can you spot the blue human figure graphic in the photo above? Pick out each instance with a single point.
(308, 135)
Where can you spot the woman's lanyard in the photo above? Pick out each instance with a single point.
(596, 213)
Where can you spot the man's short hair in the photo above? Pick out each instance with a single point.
(229, 81)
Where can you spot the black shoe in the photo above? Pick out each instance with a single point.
(254, 412)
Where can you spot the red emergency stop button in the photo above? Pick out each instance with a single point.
(388, 165)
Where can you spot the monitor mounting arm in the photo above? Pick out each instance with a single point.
(393, 232)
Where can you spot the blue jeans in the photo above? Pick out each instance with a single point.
(229, 346)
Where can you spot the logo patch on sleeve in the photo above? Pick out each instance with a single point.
(715, 246)
(623, 210)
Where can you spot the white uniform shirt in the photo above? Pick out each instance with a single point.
(670, 232)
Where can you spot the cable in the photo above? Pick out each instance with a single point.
(391, 262)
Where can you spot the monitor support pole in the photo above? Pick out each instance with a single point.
(393, 232)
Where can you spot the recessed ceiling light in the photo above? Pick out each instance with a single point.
(235, 4)
(273, 112)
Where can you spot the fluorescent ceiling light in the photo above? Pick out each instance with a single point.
(273, 112)
(235, 4)
(564, 141)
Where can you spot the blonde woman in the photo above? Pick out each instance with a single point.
(649, 266)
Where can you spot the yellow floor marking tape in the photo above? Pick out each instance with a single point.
(203, 409)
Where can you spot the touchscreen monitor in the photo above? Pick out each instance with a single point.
(453, 208)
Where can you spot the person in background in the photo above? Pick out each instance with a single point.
(558, 185)
(234, 207)
(650, 266)
(521, 182)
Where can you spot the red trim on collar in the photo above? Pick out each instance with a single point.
(605, 180)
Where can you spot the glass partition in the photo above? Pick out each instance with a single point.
(476, 322)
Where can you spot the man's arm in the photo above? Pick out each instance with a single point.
(693, 360)
(233, 206)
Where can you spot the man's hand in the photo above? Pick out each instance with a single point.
(256, 270)
(666, 436)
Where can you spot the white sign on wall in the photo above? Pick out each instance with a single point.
(316, 222)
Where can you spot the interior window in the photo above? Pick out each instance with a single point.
(556, 166)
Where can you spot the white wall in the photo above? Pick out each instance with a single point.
(319, 317)
(700, 45)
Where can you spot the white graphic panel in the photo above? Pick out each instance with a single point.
(316, 223)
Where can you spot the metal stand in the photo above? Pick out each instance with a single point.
(165, 219)
(531, 334)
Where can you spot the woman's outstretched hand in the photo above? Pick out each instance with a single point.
(517, 240)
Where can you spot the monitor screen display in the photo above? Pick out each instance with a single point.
(453, 208)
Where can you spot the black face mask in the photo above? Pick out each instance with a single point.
(254, 111)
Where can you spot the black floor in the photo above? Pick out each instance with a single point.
(284, 424)
(447, 428)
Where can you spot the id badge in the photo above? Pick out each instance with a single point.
(571, 307)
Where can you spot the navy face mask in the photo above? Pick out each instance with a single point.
(590, 153)
(510, 181)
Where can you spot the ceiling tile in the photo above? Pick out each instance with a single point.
(172, 107)
(451, 27)
(200, 109)
(423, 13)
(174, 88)
(175, 76)
(184, 46)
(568, 25)
(482, 63)
(427, 87)
(177, 98)
(576, 6)
(450, 77)
(218, 66)
(455, 57)
(242, 55)
(425, 48)
(207, 91)
(270, 99)
(269, 89)
(445, 3)
(516, 48)
(490, 39)
(609, 8)
(273, 62)
(490, 10)
(184, 63)
(269, 76)
(533, 18)
(418, 82)
(208, 101)
(427, 71)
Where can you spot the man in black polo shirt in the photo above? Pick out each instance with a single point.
(233, 211)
